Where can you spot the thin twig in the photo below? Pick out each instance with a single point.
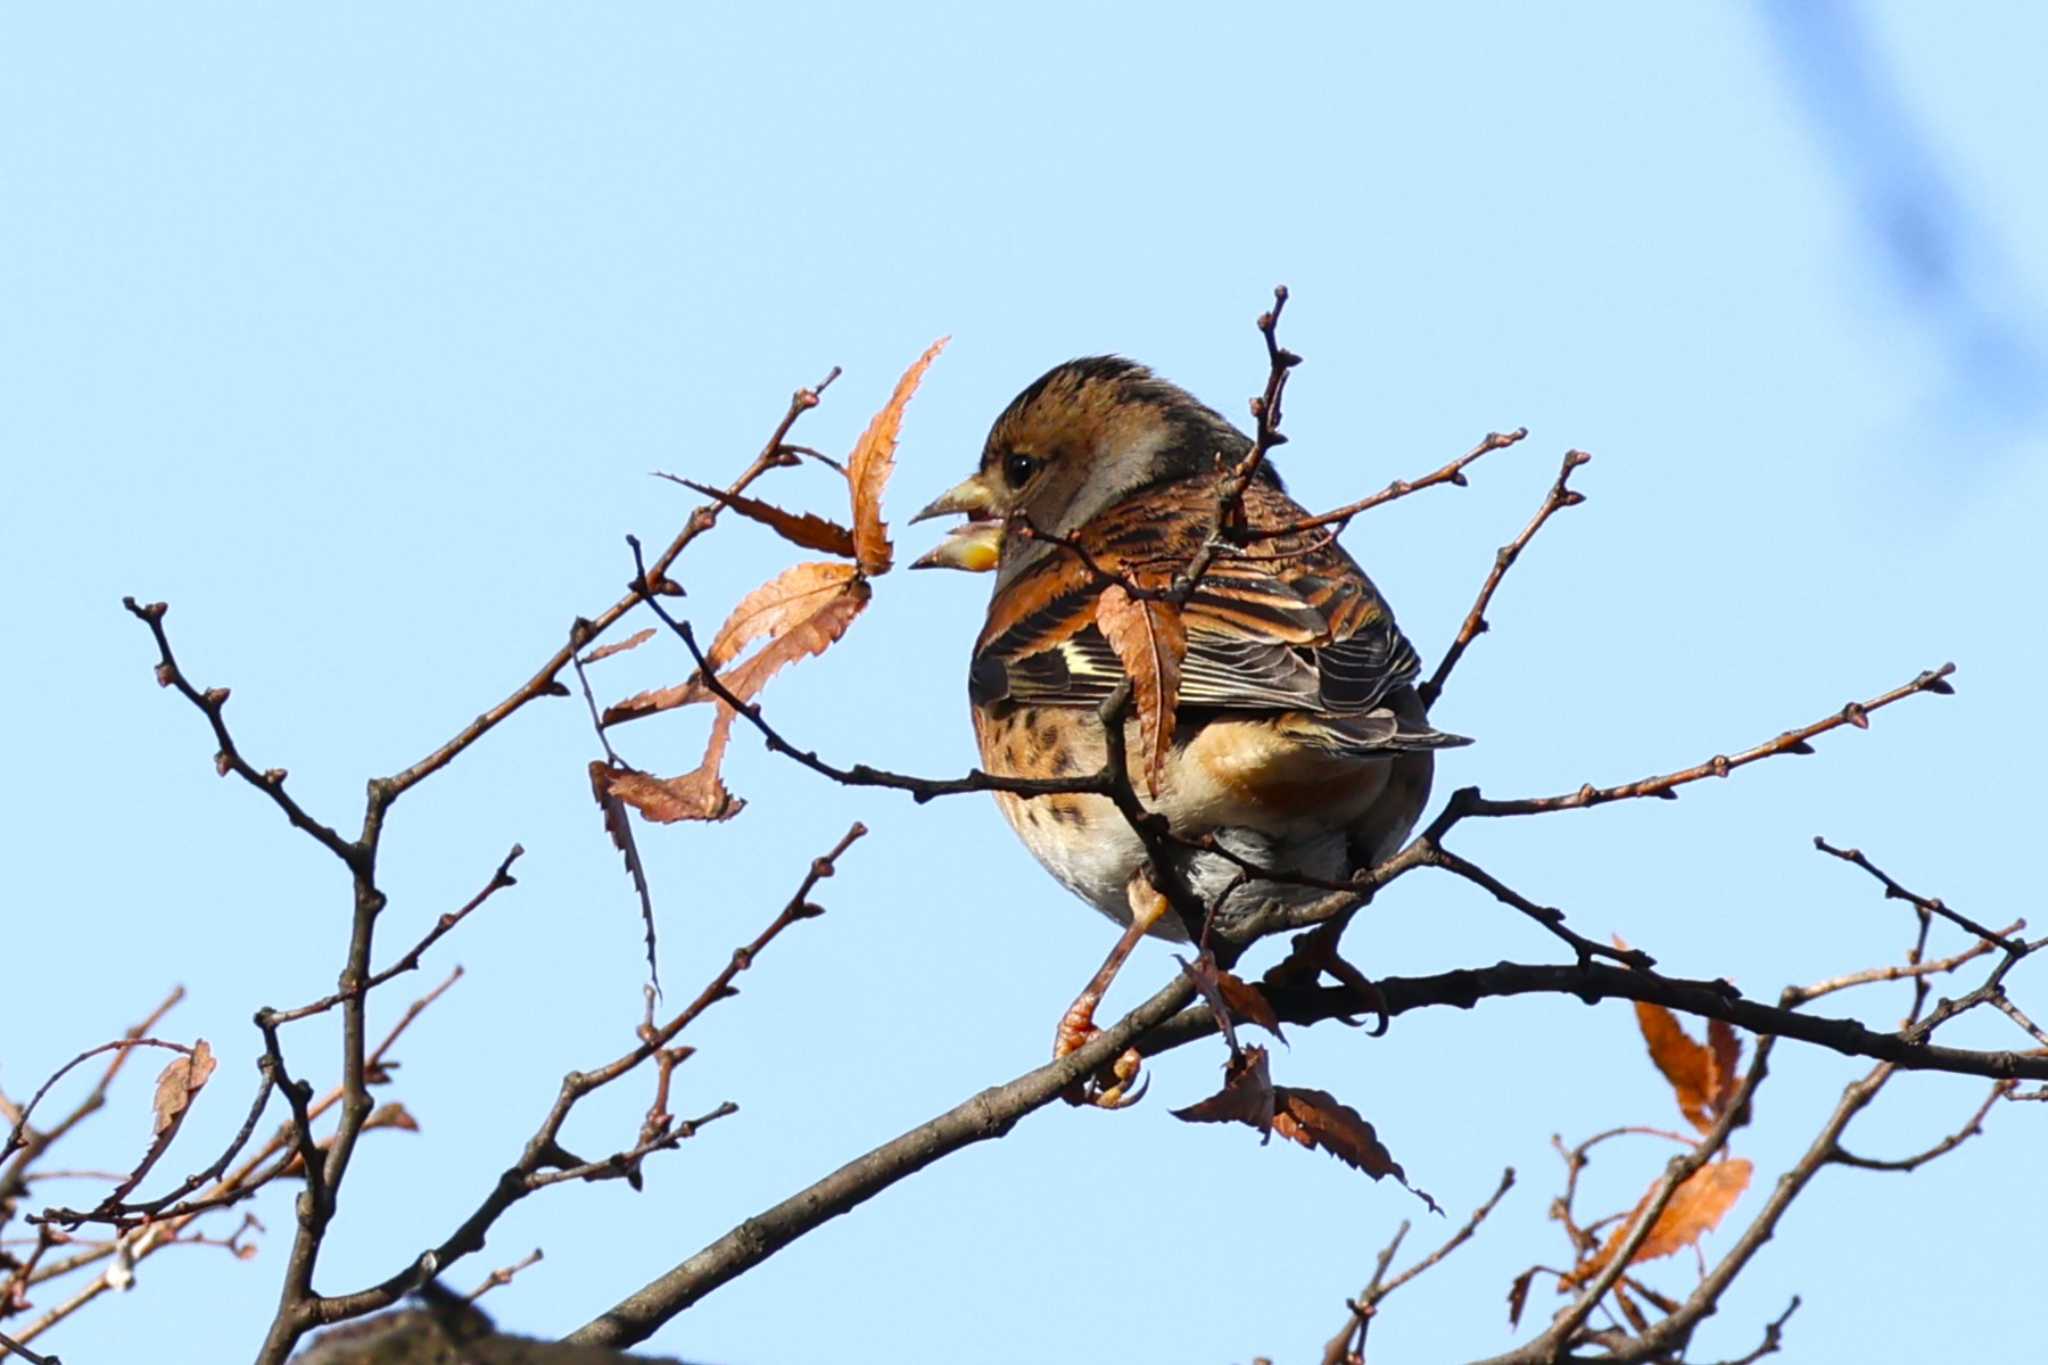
(1452, 473)
(1929, 904)
(1560, 496)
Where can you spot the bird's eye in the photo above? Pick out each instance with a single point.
(1018, 469)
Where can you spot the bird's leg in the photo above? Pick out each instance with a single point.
(1109, 1088)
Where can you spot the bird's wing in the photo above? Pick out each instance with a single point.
(1286, 625)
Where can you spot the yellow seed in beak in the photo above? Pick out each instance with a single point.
(974, 547)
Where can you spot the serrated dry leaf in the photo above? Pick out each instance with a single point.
(1686, 1064)
(1695, 1209)
(1150, 641)
(807, 529)
(633, 641)
(1316, 1118)
(1246, 1096)
(700, 794)
(868, 468)
(621, 829)
(776, 605)
(813, 634)
(798, 595)
(179, 1083)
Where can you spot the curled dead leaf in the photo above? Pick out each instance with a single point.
(179, 1084)
(699, 794)
(807, 529)
(633, 641)
(1230, 998)
(392, 1115)
(1150, 641)
(1247, 1095)
(1249, 1003)
(873, 458)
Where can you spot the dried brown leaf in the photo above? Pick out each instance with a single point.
(392, 1115)
(798, 595)
(1247, 1095)
(1248, 1003)
(873, 458)
(1518, 1295)
(1687, 1064)
(1150, 641)
(1316, 1118)
(179, 1084)
(700, 794)
(1726, 1047)
(1231, 998)
(814, 634)
(633, 641)
(621, 829)
(1695, 1209)
(807, 529)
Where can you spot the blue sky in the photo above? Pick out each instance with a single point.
(354, 334)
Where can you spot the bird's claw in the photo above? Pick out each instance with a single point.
(1110, 1086)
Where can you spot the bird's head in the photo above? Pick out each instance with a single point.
(1084, 437)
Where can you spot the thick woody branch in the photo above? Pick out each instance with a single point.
(985, 1116)
(1594, 982)
(1161, 1024)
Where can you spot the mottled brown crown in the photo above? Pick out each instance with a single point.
(1106, 408)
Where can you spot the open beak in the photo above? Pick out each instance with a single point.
(974, 547)
(970, 497)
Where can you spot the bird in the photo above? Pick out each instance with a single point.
(1299, 743)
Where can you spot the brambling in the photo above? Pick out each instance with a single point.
(1299, 742)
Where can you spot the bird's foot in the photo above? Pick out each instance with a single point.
(1110, 1087)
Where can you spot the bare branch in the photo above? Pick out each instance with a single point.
(1925, 904)
(1452, 473)
(212, 704)
(1475, 622)
(544, 680)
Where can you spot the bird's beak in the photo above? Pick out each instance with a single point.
(970, 496)
(973, 547)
